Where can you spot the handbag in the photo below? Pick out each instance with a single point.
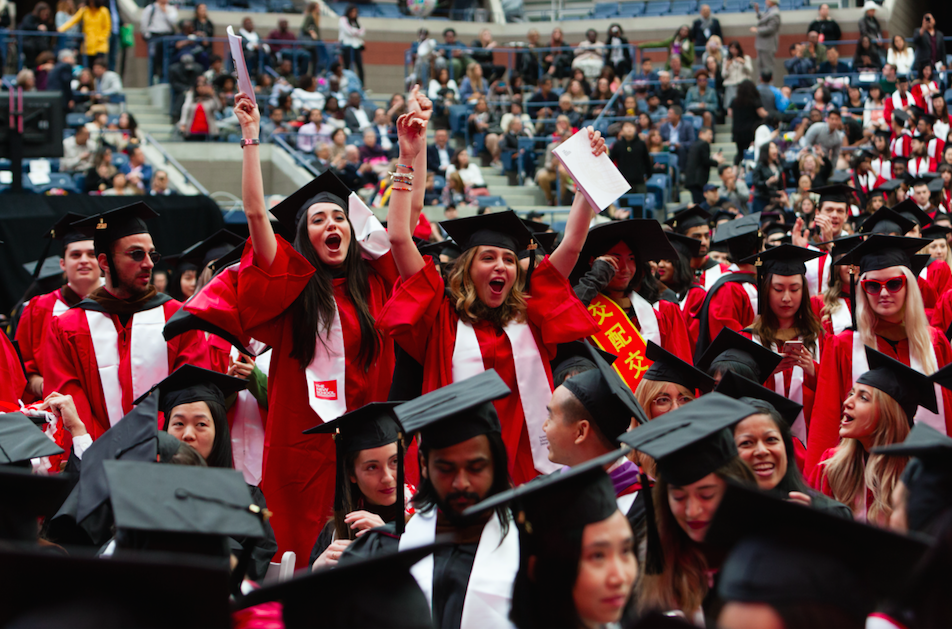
(127, 35)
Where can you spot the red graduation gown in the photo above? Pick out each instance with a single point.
(939, 277)
(71, 368)
(34, 326)
(675, 337)
(423, 321)
(942, 315)
(816, 302)
(298, 471)
(730, 307)
(690, 309)
(929, 295)
(12, 380)
(819, 481)
(808, 393)
(835, 379)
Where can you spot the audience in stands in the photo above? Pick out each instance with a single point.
(814, 50)
(631, 156)
(99, 177)
(108, 83)
(701, 99)
(618, 53)
(737, 68)
(78, 152)
(286, 52)
(678, 135)
(824, 25)
(355, 116)
(305, 97)
(439, 154)
(800, 64)
(61, 76)
(833, 64)
(311, 32)
(551, 172)
(705, 27)
(930, 45)
(158, 20)
(26, 80)
(767, 34)
(900, 55)
(65, 10)
(680, 45)
(481, 53)
(137, 170)
(122, 187)
(198, 121)
(866, 55)
(39, 20)
(699, 162)
(353, 172)
(733, 189)
(746, 111)
(558, 62)
(453, 55)
(255, 51)
(474, 86)
(160, 185)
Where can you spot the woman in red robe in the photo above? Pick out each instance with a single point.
(891, 319)
(491, 317)
(316, 303)
(678, 275)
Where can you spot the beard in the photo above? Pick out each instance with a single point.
(456, 518)
(128, 285)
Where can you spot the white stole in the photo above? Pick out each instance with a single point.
(899, 102)
(247, 428)
(814, 274)
(924, 273)
(625, 502)
(534, 389)
(647, 319)
(712, 275)
(489, 591)
(148, 355)
(861, 366)
(750, 289)
(841, 318)
(882, 168)
(799, 428)
(59, 307)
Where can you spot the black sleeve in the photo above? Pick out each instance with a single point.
(836, 32)
(649, 162)
(594, 281)
(262, 550)
(374, 542)
(324, 540)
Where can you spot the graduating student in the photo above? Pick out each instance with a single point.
(492, 315)
(891, 319)
(78, 262)
(587, 414)
(12, 376)
(669, 383)
(367, 494)
(732, 351)
(574, 358)
(108, 350)
(696, 455)
(788, 326)
(878, 412)
(614, 280)
(732, 301)
(317, 303)
(834, 306)
(695, 222)
(578, 563)
(462, 462)
(677, 275)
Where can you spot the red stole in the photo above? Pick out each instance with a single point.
(618, 335)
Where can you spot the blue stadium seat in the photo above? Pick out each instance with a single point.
(658, 186)
(458, 114)
(389, 11)
(119, 160)
(59, 180)
(508, 161)
(657, 8)
(837, 98)
(800, 99)
(76, 120)
(631, 9)
(490, 201)
(605, 10)
(683, 7)
(735, 6)
(716, 5)
(79, 181)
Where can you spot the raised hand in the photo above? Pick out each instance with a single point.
(411, 133)
(248, 115)
(597, 142)
(419, 105)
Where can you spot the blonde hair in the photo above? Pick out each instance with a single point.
(468, 305)
(476, 82)
(645, 393)
(850, 475)
(914, 318)
(718, 53)
(948, 252)
(834, 290)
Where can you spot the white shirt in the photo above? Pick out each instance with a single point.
(444, 154)
(383, 131)
(471, 175)
(902, 61)
(253, 42)
(154, 20)
(761, 136)
(348, 35)
(302, 99)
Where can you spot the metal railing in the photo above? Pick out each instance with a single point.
(148, 139)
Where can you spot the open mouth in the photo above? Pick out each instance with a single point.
(333, 242)
(764, 469)
(697, 526)
(497, 286)
(847, 418)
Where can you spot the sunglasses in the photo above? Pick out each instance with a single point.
(139, 255)
(893, 285)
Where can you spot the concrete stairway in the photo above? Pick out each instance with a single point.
(150, 118)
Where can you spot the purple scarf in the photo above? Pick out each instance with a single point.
(623, 476)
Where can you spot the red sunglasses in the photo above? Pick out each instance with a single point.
(893, 285)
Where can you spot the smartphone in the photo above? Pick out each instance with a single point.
(792, 347)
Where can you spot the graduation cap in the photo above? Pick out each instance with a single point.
(744, 226)
(882, 252)
(928, 118)
(325, 188)
(26, 497)
(744, 389)
(731, 346)
(546, 241)
(936, 232)
(902, 78)
(908, 387)
(536, 227)
(687, 247)
(66, 231)
(227, 259)
(694, 216)
(666, 367)
(454, 413)
(922, 179)
(201, 254)
(112, 593)
(786, 554)
(499, 229)
(108, 227)
(561, 503)
(836, 193)
(840, 177)
(370, 426)
(606, 397)
(50, 276)
(189, 384)
(936, 185)
(644, 237)
(886, 221)
(888, 186)
(775, 227)
(919, 262)
(21, 440)
(575, 356)
(720, 215)
(843, 245)
(786, 260)
(909, 210)
(341, 593)
(901, 115)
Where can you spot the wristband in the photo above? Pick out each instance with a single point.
(249, 142)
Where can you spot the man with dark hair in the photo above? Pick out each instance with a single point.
(824, 25)
(930, 45)
(108, 350)
(677, 134)
(453, 55)
(833, 64)
(733, 189)
(800, 64)
(829, 135)
(534, 106)
(462, 461)
(697, 168)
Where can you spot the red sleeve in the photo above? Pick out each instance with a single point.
(26, 335)
(386, 268)
(888, 109)
(940, 276)
(12, 380)
(675, 337)
(942, 314)
(816, 303)
(729, 308)
(943, 356)
(554, 309)
(423, 228)
(692, 306)
(410, 313)
(817, 478)
(64, 370)
(264, 295)
(190, 348)
(834, 381)
(217, 303)
(929, 296)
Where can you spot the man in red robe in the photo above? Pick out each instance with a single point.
(78, 262)
(695, 222)
(109, 349)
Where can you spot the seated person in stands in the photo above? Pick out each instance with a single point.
(353, 173)
(833, 64)
(137, 171)
(160, 185)
(510, 141)
(431, 196)
(99, 177)
(78, 151)
(121, 187)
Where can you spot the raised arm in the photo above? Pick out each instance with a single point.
(421, 107)
(411, 133)
(580, 216)
(252, 188)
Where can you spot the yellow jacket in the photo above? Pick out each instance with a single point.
(97, 25)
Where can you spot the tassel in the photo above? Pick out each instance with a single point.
(853, 297)
(532, 258)
(401, 520)
(654, 555)
(341, 477)
(760, 283)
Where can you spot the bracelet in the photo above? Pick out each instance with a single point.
(410, 168)
(249, 142)
(401, 189)
(406, 176)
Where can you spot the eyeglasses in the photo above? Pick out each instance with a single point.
(139, 255)
(893, 285)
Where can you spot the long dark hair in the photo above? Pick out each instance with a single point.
(644, 279)
(221, 455)
(792, 480)
(747, 94)
(313, 310)
(354, 499)
(683, 278)
(805, 320)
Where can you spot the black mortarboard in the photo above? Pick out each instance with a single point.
(786, 554)
(189, 383)
(902, 78)
(888, 186)
(684, 220)
(536, 227)
(454, 413)
(922, 179)
(341, 594)
(606, 397)
(561, 503)
(836, 193)
(928, 118)
(908, 387)
(775, 227)
(325, 188)
(882, 252)
(720, 215)
(643, 236)
(575, 355)
(21, 440)
(666, 367)
(499, 229)
(917, 111)
(746, 226)
(901, 115)
(739, 387)
(215, 246)
(843, 245)
(936, 185)
(840, 176)
(688, 247)
(26, 497)
(370, 426)
(783, 260)
(912, 212)
(729, 345)
(923, 442)
(936, 232)
(67, 232)
(692, 441)
(888, 222)
(112, 593)
(110, 226)
(546, 241)
(919, 262)
(51, 276)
